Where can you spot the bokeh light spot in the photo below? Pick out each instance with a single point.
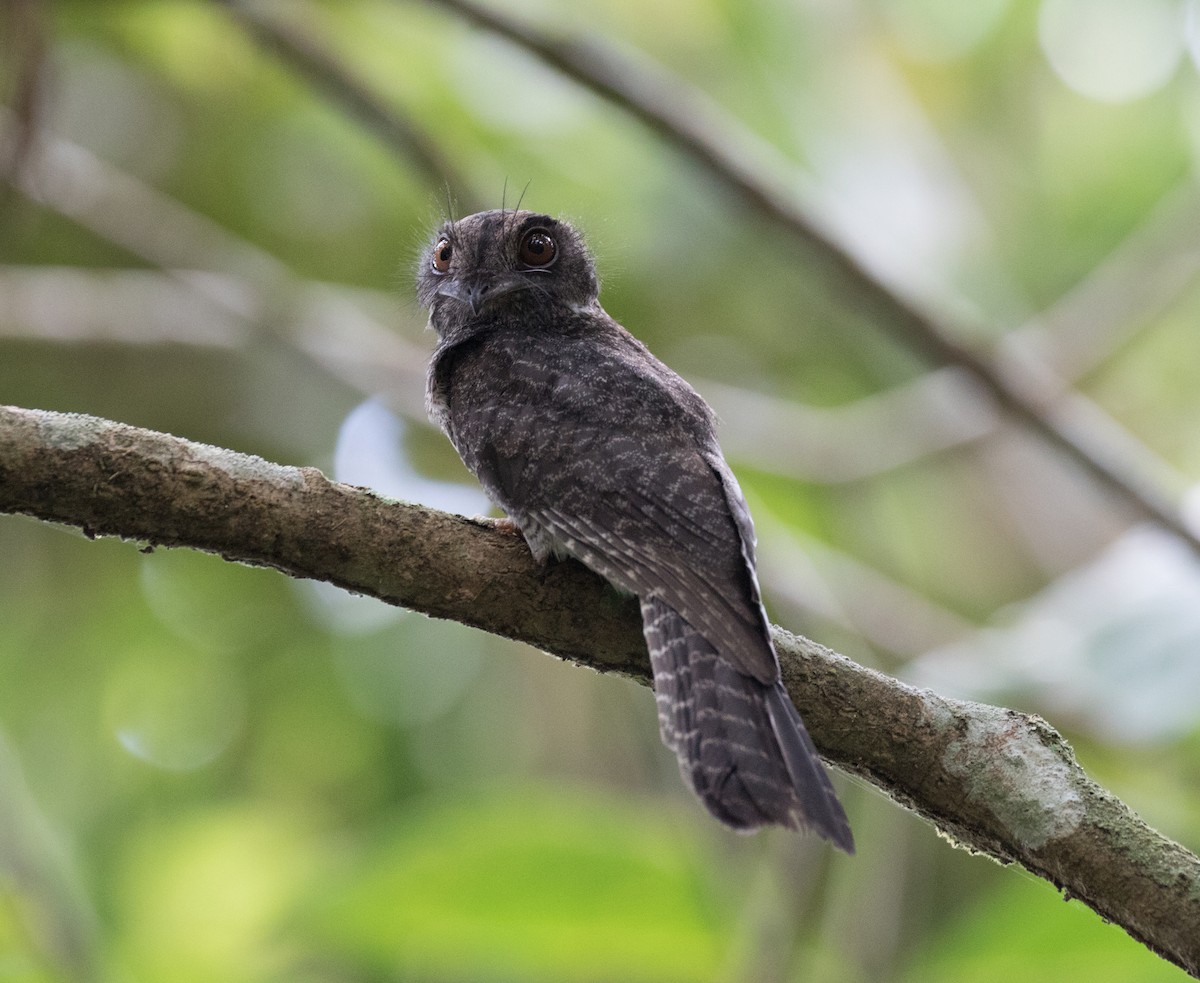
(1112, 50)
(175, 713)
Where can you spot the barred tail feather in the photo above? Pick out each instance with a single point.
(818, 801)
(741, 744)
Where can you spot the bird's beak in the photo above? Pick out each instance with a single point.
(478, 292)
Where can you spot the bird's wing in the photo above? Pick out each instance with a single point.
(597, 449)
(663, 522)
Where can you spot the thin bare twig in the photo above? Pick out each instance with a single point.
(237, 283)
(693, 124)
(996, 781)
(306, 56)
(1134, 285)
(24, 40)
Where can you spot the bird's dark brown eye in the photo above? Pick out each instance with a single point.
(441, 255)
(537, 248)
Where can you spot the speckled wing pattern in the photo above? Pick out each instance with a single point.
(598, 451)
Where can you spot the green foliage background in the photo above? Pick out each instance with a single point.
(211, 773)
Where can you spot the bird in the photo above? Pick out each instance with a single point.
(599, 452)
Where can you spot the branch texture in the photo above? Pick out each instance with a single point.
(995, 781)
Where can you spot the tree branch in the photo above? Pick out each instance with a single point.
(996, 781)
(684, 118)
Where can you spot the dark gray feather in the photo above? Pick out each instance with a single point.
(600, 452)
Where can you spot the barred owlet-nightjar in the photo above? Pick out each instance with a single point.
(598, 451)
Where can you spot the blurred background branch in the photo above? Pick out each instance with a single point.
(23, 50)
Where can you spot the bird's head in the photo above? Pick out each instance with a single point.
(500, 260)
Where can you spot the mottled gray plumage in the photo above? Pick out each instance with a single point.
(598, 451)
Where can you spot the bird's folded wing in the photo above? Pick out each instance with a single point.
(672, 536)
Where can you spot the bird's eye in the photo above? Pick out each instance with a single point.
(441, 255)
(538, 248)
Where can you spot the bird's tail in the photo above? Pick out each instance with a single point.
(741, 744)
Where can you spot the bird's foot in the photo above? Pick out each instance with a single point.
(506, 525)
